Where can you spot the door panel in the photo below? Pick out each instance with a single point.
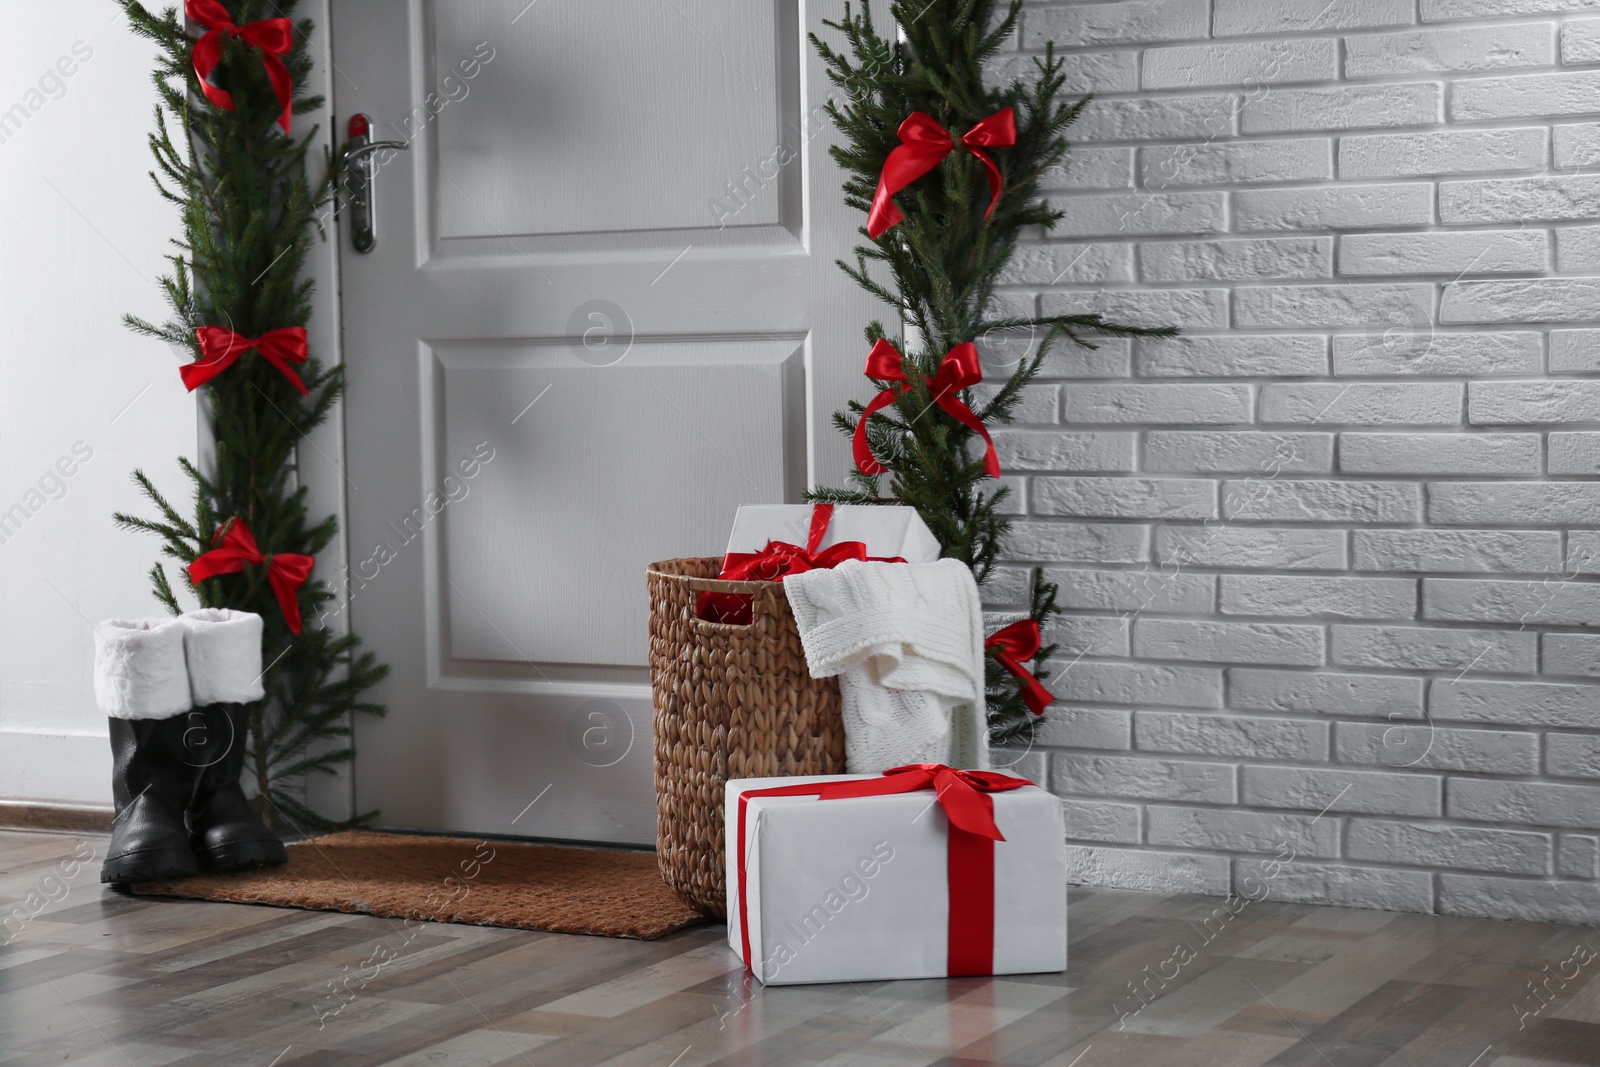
(584, 338)
(610, 111)
(582, 492)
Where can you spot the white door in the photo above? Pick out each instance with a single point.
(602, 311)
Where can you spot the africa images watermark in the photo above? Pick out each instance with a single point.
(1145, 990)
(1251, 491)
(452, 490)
(52, 487)
(437, 905)
(1540, 993)
(52, 85)
(455, 90)
(53, 888)
(853, 887)
(742, 191)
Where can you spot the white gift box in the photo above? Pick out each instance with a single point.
(858, 889)
(888, 530)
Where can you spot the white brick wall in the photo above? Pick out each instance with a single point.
(1328, 558)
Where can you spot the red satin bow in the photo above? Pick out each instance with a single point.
(776, 560)
(236, 549)
(923, 144)
(964, 796)
(272, 37)
(780, 558)
(1013, 646)
(220, 348)
(959, 370)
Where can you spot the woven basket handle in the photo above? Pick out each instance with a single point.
(771, 624)
(762, 606)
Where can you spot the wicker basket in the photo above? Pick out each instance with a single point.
(730, 702)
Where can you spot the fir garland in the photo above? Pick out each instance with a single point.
(249, 214)
(943, 263)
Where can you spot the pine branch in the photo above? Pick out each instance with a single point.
(940, 266)
(1084, 322)
(247, 211)
(158, 579)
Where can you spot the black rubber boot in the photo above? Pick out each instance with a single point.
(150, 786)
(224, 830)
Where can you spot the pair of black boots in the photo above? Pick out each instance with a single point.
(178, 694)
(180, 810)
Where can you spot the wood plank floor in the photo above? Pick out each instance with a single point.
(91, 977)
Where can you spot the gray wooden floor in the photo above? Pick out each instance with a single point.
(90, 977)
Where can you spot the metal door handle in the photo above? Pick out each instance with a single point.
(361, 181)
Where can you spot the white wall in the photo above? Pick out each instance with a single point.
(81, 240)
(1328, 558)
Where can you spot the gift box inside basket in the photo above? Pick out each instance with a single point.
(771, 540)
(903, 882)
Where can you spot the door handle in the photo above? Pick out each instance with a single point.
(361, 181)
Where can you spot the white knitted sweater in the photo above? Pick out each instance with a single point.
(906, 641)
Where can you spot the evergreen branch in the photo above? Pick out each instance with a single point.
(1093, 322)
(247, 213)
(158, 579)
(939, 267)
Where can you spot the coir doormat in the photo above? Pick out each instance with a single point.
(458, 880)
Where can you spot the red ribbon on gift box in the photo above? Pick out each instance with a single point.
(776, 560)
(236, 549)
(923, 144)
(220, 348)
(964, 797)
(273, 38)
(1013, 646)
(957, 371)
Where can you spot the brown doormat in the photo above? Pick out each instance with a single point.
(458, 880)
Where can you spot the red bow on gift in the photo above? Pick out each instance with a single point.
(1013, 646)
(780, 558)
(272, 37)
(964, 795)
(236, 549)
(965, 798)
(776, 560)
(220, 348)
(959, 370)
(923, 143)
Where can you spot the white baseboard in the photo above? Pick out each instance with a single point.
(69, 769)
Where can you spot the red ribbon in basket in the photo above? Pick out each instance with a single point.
(1013, 646)
(776, 560)
(964, 796)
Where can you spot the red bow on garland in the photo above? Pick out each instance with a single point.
(959, 370)
(272, 37)
(220, 348)
(923, 144)
(776, 560)
(236, 549)
(1013, 646)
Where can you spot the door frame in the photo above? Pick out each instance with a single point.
(320, 458)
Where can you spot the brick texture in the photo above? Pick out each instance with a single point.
(1328, 558)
